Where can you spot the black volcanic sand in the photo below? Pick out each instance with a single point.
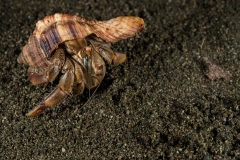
(159, 104)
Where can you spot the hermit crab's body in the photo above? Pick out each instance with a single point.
(73, 46)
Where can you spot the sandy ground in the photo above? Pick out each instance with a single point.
(157, 104)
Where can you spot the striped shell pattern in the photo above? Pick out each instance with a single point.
(58, 28)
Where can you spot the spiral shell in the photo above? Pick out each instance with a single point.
(55, 29)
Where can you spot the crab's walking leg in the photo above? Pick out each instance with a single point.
(56, 96)
(79, 80)
(107, 53)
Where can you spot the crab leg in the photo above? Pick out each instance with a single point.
(79, 80)
(107, 53)
(56, 96)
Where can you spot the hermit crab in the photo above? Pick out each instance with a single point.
(73, 48)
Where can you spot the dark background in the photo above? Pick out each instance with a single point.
(157, 104)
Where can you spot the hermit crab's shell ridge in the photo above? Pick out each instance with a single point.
(58, 28)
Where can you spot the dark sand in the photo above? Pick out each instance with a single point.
(157, 104)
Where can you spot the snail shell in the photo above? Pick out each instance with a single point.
(55, 29)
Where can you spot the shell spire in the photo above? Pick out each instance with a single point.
(118, 28)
